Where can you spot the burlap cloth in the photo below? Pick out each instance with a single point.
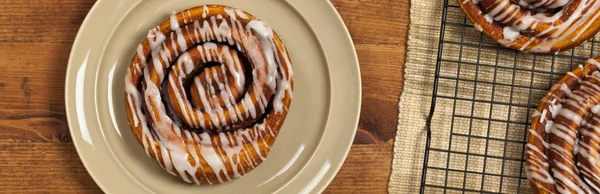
(496, 93)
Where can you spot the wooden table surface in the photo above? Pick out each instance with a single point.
(36, 151)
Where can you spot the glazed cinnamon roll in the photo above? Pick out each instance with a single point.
(540, 26)
(207, 93)
(562, 149)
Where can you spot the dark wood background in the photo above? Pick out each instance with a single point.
(36, 151)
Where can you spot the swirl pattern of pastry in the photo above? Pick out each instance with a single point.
(540, 26)
(207, 93)
(562, 149)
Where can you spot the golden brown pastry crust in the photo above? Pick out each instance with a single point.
(197, 146)
(539, 26)
(554, 141)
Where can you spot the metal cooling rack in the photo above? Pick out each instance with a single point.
(479, 146)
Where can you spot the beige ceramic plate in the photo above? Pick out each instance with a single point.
(313, 142)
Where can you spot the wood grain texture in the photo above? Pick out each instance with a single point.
(55, 167)
(36, 153)
(366, 170)
(379, 110)
(41, 20)
(43, 167)
(375, 21)
(379, 32)
(32, 88)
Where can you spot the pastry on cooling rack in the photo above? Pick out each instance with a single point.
(539, 26)
(562, 146)
(207, 93)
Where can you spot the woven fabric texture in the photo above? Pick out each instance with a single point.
(484, 102)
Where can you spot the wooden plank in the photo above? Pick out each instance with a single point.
(36, 111)
(35, 42)
(366, 170)
(382, 80)
(375, 22)
(379, 31)
(42, 20)
(43, 167)
(33, 104)
(55, 167)
(32, 88)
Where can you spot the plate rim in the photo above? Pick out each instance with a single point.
(70, 92)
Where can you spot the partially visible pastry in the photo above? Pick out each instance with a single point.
(538, 26)
(562, 146)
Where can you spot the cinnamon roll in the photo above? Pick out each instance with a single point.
(207, 93)
(539, 26)
(562, 145)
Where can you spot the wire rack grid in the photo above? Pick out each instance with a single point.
(483, 99)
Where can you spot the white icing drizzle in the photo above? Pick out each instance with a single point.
(556, 27)
(574, 76)
(205, 11)
(589, 152)
(594, 62)
(577, 104)
(566, 90)
(571, 112)
(488, 18)
(579, 100)
(223, 150)
(174, 22)
(478, 27)
(537, 113)
(510, 34)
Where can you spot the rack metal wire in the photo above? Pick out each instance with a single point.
(483, 98)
